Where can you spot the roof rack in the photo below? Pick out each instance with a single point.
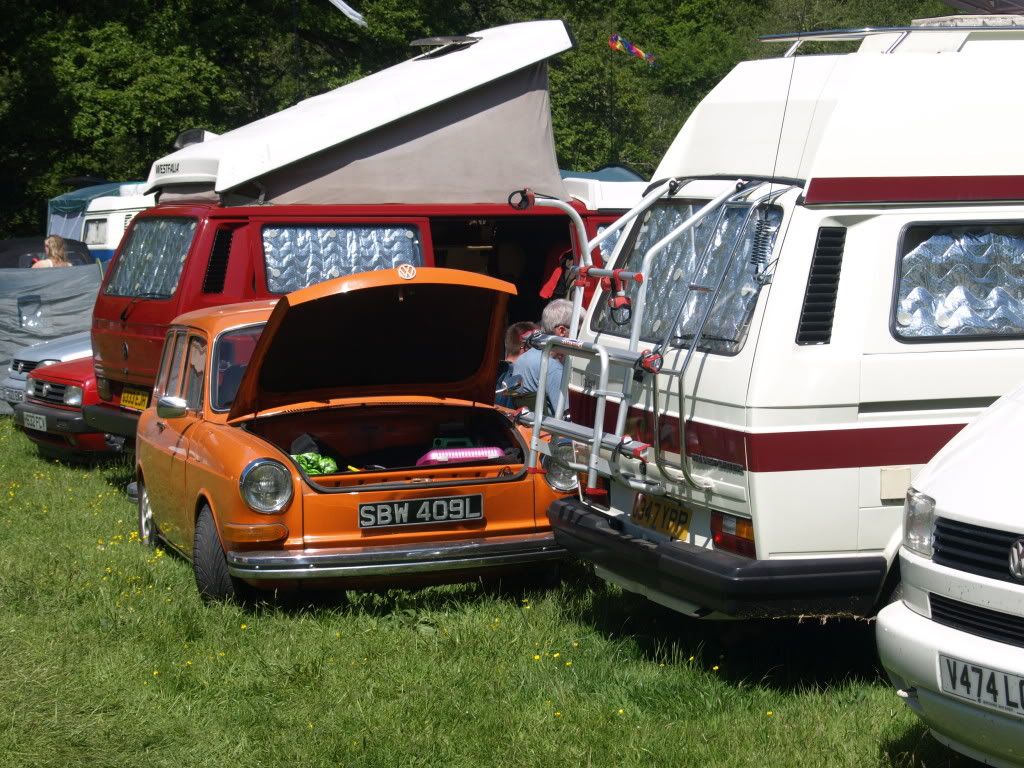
(945, 24)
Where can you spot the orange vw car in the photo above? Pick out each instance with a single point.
(346, 434)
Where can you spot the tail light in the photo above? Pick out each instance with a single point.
(733, 534)
(103, 388)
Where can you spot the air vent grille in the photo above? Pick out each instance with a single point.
(217, 269)
(822, 286)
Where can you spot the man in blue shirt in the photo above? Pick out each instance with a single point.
(555, 320)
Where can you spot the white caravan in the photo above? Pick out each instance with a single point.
(823, 285)
(107, 218)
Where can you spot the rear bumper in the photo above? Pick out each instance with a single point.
(112, 419)
(392, 561)
(719, 581)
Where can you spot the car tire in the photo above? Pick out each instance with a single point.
(146, 523)
(209, 564)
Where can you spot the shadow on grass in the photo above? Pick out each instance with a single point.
(915, 748)
(783, 654)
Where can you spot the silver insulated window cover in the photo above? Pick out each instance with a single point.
(303, 255)
(728, 237)
(150, 262)
(963, 281)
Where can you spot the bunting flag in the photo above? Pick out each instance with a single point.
(349, 11)
(618, 43)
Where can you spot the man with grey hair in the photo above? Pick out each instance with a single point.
(554, 319)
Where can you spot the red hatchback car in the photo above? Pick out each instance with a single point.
(51, 414)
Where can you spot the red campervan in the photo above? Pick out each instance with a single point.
(413, 164)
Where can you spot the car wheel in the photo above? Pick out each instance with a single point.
(209, 564)
(147, 527)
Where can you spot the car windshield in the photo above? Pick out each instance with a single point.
(230, 358)
(150, 263)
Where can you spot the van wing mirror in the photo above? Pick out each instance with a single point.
(171, 407)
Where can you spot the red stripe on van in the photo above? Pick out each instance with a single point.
(781, 451)
(841, 448)
(913, 189)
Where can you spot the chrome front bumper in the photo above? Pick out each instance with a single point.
(396, 560)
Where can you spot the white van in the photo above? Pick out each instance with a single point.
(954, 645)
(824, 284)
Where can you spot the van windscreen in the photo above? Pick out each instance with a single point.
(151, 261)
(735, 240)
(301, 255)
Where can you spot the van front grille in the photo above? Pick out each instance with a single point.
(24, 366)
(819, 308)
(974, 549)
(983, 622)
(48, 391)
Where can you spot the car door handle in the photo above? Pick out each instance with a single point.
(161, 425)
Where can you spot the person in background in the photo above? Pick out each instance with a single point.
(515, 345)
(555, 320)
(55, 255)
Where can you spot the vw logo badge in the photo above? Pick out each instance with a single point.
(1017, 559)
(406, 271)
(124, 349)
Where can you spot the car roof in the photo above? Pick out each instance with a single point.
(213, 320)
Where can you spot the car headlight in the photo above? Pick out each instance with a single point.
(919, 523)
(44, 363)
(266, 486)
(30, 385)
(556, 466)
(73, 396)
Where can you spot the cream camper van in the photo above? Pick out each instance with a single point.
(824, 284)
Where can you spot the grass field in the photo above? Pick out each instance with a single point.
(110, 659)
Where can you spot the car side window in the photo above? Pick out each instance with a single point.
(195, 369)
(173, 388)
(160, 387)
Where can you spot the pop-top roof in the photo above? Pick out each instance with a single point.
(364, 127)
(908, 117)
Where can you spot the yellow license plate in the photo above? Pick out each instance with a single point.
(660, 514)
(136, 399)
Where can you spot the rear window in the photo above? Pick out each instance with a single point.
(151, 261)
(303, 255)
(729, 247)
(962, 281)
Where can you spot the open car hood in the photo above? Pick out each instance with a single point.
(403, 331)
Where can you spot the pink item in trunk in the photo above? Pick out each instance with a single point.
(452, 455)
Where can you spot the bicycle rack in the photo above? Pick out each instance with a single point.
(640, 367)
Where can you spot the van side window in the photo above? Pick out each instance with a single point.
(736, 241)
(298, 256)
(151, 261)
(960, 280)
(195, 373)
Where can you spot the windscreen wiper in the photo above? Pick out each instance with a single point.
(144, 295)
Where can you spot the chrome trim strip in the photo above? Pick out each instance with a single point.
(395, 560)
